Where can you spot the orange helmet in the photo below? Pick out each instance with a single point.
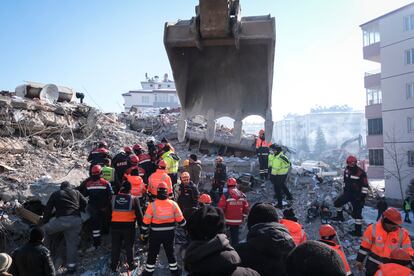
(326, 230)
(231, 182)
(162, 185)
(204, 198)
(162, 164)
(134, 159)
(96, 170)
(185, 176)
(186, 162)
(351, 160)
(400, 254)
(393, 215)
(261, 132)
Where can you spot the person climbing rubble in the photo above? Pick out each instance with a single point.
(126, 211)
(145, 161)
(160, 220)
(295, 229)
(98, 155)
(327, 235)
(262, 151)
(187, 196)
(172, 161)
(120, 162)
(67, 205)
(280, 165)
(235, 207)
(99, 192)
(399, 265)
(355, 191)
(380, 239)
(160, 175)
(194, 169)
(219, 180)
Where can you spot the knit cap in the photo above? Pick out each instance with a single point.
(262, 213)
(205, 223)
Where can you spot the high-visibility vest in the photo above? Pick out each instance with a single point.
(162, 215)
(296, 231)
(341, 253)
(156, 178)
(172, 164)
(108, 173)
(123, 208)
(392, 269)
(262, 143)
(137, 185)
(280, 164)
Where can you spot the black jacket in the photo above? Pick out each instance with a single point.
(266, 249)
(188, 198)
(214, 257)
(220, 175)
(32, 259)
(66, 202)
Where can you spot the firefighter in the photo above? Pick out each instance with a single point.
(99, 192)
(98, 155)
(121, 164)
(160, 175)
(172, 161)
(133, 165)
(108, 173)
(400, 265)
(145, 161)
(262, 151)
(327, 235)
(187, 197)
(355, 191)
(380, 239)
(235, 207)
(138, 188)
(126, 210)
(219, 180)
(161, 217)
(280, 165)
(295, 229)
(204, 199)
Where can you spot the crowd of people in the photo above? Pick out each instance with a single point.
(140, 196)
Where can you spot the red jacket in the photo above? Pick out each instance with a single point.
(234, 205)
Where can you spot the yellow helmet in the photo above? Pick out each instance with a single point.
(186, 162)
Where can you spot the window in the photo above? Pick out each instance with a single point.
(371, 35)
(410, 90)
(411, 158)
(172, 99)
(162, 98)
(374, 96)
(145, 99)
(375, 126)
(376, 157)
(409, 56)
(408, 22)
(410, 124)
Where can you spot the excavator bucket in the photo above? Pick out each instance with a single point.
(222, 65)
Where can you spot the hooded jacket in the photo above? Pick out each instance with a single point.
(266, 249)
(214, 257)
(234, 205)
(194, 169)
(33, 259)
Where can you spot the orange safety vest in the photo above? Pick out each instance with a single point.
(123, 208)
(392, 269)
(378, 244)
(296, 231)
(341, 253)
(138, 188)
(262, 143)
(156, 178)
(162, 215)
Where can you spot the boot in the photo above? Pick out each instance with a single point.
(339, 216)
(176, 272)
(357, 232)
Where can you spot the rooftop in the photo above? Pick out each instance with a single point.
(387, 14)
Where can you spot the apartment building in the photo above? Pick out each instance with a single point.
(389, 41)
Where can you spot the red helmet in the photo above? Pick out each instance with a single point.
(134, 159)
(160, 145)
(261, 132)
(162, 164)
(351, 160)
(102, 144)
(137, 147)
(231, 182)
(96, 170)
(162, 185)
(127, 149)
(326, 230)
(393, 215)
(204, 198)
(400, 254)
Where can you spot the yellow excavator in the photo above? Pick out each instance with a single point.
(222, 65)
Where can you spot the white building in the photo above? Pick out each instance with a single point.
(389, 42)
(154, 93)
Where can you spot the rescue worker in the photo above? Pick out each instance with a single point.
(99, 154)
(187, 197)
(262, 151)
(126, 211)
(138, 188)
(67, 205)
(165, 142)
(108, 173)
(121, 163)
(99, 192)
(186, 164)
(380, 239)
(295, 229)
(328, 235)
(160, 220)
(133, 165)
(219, 180)
(355, 191)
(172, 161)
(152, 150)
(400, 265)
(194, 169)
(145, 161)
(382, 205)
(160, 175)
(280, 165)
(407, 209)
(204, 199)
(235, 207)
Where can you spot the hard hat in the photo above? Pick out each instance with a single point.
(400, 254)
(219, 159)
(162, 185)
(160, 145)
(137, 147)
(134, 159)
(96, 170)
(261, 132)
(186, 162)
(185, 176)
(204, 198)
(326, 230)
(127, 149)
(162, 164)
(393, 215)
(102, 144)
(351, 159)
(231, 182)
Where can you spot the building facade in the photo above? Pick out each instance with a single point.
(155, 93)
(389, 41)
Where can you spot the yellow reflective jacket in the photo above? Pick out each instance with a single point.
(279, 164)
(172, 161)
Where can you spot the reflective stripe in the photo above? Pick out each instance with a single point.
(144, 227)
(358, 221)
(374, 260)
(363, 252)
(401, 238)
(96, 235)
(379, 272)
(150, 266)
(349, 273)
(96, 188)
(354, 177)
(71, 265)
(234, 220)
(366, 240)
(339, 209)
(162, 228)
(406, 246)
(364, 190)
(149, 269)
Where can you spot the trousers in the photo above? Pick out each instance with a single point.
(156, 239)
(126, 238)
(279, 184)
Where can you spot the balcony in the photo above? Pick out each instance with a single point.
(372, 79)
(373, 111)
(372, 52)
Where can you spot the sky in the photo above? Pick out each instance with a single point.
(104, 47)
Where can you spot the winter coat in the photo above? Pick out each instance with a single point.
(32, 259)
(220, 175)
(234, 205)
(188, 198)
(214, 257)
(194, 169)
(266, 249)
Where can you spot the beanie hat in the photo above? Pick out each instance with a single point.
(289, 214)
(313, 258)
(126, 187)
(64, 185)
(205, 223)
(36, 234)
(262, 213)
(5, 262)
(193, 157)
